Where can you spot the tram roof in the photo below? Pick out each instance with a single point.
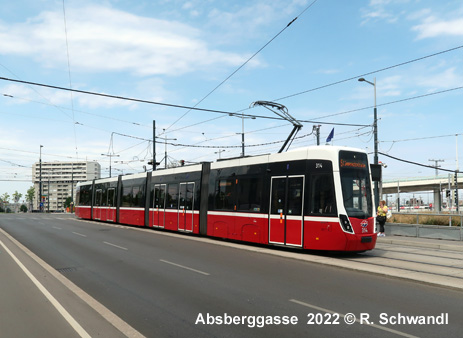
(306, 153)
(324, 152)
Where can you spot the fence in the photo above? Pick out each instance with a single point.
(426, 225)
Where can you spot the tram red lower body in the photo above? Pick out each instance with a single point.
(312, 233)
(84, 212)
(187, 221)
(107, 214)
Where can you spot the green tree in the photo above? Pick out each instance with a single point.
(67, 202)
(23, 208)
(5, 198)
(17, 196)
(30, 194)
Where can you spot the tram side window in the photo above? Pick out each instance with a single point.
(127, 196)
(104, 196)
(85, 195)
(322, 199)
(111, 197)
(250, 194)
(98, 195)
(137, 196)
(295, 191)
(224, 194)
(172, 196)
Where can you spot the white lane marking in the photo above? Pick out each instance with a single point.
(57, 228)
(75, 325)
(116, 246)
(403, 334)
(110, 317)
(185, 267)
(76, 233)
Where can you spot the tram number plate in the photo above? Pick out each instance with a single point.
(366, 239)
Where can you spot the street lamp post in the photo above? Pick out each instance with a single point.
(219, 152)
(242, 134)
(165, 146)
(242, 131)
(375, 133)
(40, 179)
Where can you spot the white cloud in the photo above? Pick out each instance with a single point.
(60, 100)
(379, 10)
(328, 71)
(445, 79)
(250, 20)
(432, 27)
(104, 39)
(390, 86)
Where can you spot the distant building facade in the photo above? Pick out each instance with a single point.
(59, 181)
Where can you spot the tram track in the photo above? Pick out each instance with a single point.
(424, 261)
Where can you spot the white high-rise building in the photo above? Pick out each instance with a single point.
(59, 181)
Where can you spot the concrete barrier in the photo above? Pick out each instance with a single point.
(425, 231)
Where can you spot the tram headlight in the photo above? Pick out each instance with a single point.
(345, 223)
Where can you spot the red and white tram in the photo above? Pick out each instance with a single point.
(317, 198)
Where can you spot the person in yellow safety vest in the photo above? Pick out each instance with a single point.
(381, 217)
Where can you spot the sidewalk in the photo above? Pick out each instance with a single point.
(421, 242)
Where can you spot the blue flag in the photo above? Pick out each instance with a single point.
(330, 136)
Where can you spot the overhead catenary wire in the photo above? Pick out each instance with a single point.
(145, 101)
(249, 145)
(69, 74)
(245, 63)
(418, 164)
(422, 138)
(391, 102)
(240, 113)
(370, 73)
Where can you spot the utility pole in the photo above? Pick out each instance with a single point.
(165, 146)
(455, 197)
(436, 166)
(316, 130)
(40, 179)
(110, 156)
(154, 145)
(72, 187)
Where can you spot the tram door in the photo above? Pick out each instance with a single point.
(185, 206)
(98, 200)
(111, 205)
(286, 206)
(159, 205)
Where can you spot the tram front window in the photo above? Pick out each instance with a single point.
(355, 181)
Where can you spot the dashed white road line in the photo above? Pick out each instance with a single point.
(116, 246)
(185, 267)
(76, 233)
(384, 328)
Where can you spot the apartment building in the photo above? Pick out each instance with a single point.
(59, 181)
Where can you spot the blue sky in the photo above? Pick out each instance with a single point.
(177, 52)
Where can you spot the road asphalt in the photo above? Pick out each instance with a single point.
(18, 295)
